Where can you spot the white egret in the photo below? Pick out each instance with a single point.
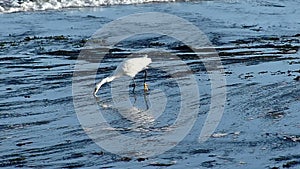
(129, 67)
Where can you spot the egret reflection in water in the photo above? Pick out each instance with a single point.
(141, 113)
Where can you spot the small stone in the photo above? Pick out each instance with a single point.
(292, 138)
(218, 135)
(159, 164)
(125, 159)
(27, 38)
(297, 78)
(141, 159)
(290, 164)
(100, 153)
(243, 162)
(237, 133)
(23, 143)
(275, 114)
(275, 168)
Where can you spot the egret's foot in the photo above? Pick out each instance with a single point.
(146, 87)
(133, 85)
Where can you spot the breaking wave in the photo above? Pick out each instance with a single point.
(9, 6)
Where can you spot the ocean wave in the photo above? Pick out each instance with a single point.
(9, 6)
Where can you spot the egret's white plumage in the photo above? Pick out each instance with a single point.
(129, 67)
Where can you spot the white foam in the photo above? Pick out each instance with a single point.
(9, 6)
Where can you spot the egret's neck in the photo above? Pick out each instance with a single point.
(110, 78)
(103, 81)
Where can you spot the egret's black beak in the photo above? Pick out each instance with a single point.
(95, 92)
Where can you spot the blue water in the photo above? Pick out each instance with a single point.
(258, 42)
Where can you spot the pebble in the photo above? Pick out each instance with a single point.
(297, 78)
(218, 135)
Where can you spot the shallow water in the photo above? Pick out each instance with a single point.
(260, 54)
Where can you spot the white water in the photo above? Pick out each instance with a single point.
(9, 6)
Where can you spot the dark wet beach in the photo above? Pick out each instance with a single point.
(258, 43)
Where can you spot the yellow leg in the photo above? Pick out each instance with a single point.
(145, 84)
(146, 87)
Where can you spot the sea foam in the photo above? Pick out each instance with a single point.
(9, 6)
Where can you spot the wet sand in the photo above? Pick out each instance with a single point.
(258, 43)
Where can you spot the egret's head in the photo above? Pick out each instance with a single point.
(96, 90)
(98, 85)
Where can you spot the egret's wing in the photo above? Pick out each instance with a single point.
(131, 67)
